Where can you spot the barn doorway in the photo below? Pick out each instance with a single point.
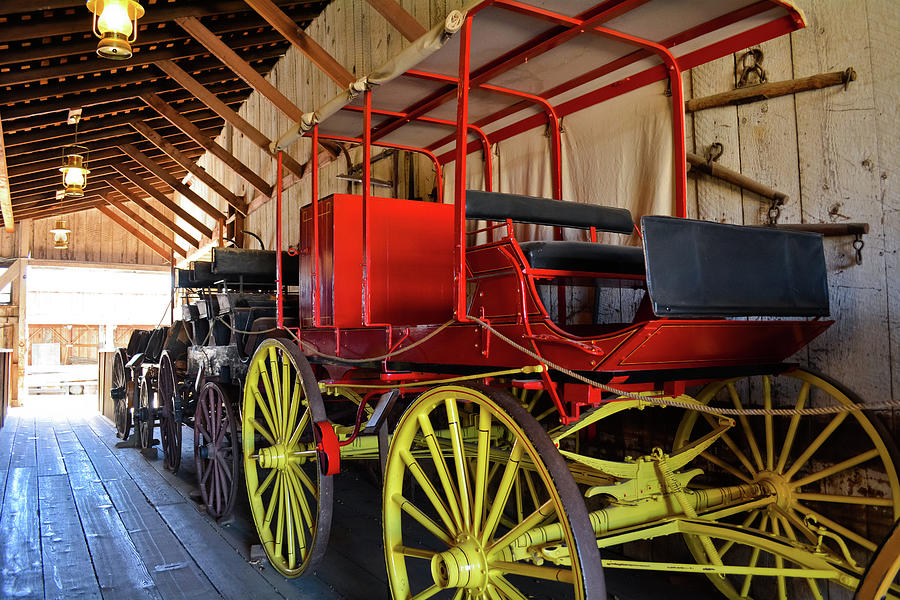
(73, 315)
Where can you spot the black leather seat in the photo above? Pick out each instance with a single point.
(584, 256)
(496, 206)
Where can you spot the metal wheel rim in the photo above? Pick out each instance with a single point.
(467, 523)
(781, 521)
(169, 424)
(145, 426)
(121, 388)
(216, 449)
(290, 498)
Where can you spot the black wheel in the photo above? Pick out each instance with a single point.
(145, 418)
(121, 393)
(169, 414)
(216, 448)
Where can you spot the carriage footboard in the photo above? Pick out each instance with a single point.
(704, 269)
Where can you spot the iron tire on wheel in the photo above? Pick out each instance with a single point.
(169, 419)
(121, 394)
(144, 420)
(797, 460)
(442, 519)
(216, 449)
(282, 405)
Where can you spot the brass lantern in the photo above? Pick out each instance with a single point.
(115, 23)
(60, 233)
(74, 170)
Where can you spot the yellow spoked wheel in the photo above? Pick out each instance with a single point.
(827, 482)
(443, 533)
(289, 497)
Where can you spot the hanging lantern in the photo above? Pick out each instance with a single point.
(115, 23)
(60, 233)
(74, 170)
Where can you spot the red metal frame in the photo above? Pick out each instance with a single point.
(503, 286)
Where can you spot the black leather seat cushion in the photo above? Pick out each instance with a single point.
(584, 256)
(701, 269)
(494, 206)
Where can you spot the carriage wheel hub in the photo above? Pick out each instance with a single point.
(777, 485)
(273, 457)
(463, 566)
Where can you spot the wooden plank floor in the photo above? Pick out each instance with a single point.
(81, 518)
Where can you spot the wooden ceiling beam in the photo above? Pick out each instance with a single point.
(160, 216)
(15, 31)
(10, 7)
(397, 16)
(51, 158)
(144, 74)
(95, 102)
(164, 200)
(302, 41)
(230, 91)
(51, 180)
(95, 185)
(52, 210)
(5, 197)
(237, 64)
(216, 150)
(192, 167)
(102, 129)
(173, 183)
(152, 229)
(127, 226)
(102, 65)
(226, 112)
(147, 37)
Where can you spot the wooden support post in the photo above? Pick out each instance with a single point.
(402, 21)
(754, 93)
(109, 212)
(25, 240)
(162, 236)
(184, 160)
(192, 131)
(164, 200)
(286, 26)
(224, 111)
(171, 181)
(5, 198)
(159, 215)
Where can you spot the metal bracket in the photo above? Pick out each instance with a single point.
(382, 409)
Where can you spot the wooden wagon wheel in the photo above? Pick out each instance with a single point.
(145, 412)
(442, 523)
(216, 448)
(812, 495)
(121, 394)
(290, 498)
(169, 417)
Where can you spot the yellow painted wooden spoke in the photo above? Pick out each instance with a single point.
(284, 483)
(443, 450)
(801, 465)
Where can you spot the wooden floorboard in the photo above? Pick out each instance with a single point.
(49, 458)
(20, 540)
(117, 563)
(68, 571)
(174, 572)
(23, 450)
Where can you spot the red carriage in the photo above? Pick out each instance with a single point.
(435, 337)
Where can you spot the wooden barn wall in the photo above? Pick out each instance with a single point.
(95, 238)
(834, 152)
